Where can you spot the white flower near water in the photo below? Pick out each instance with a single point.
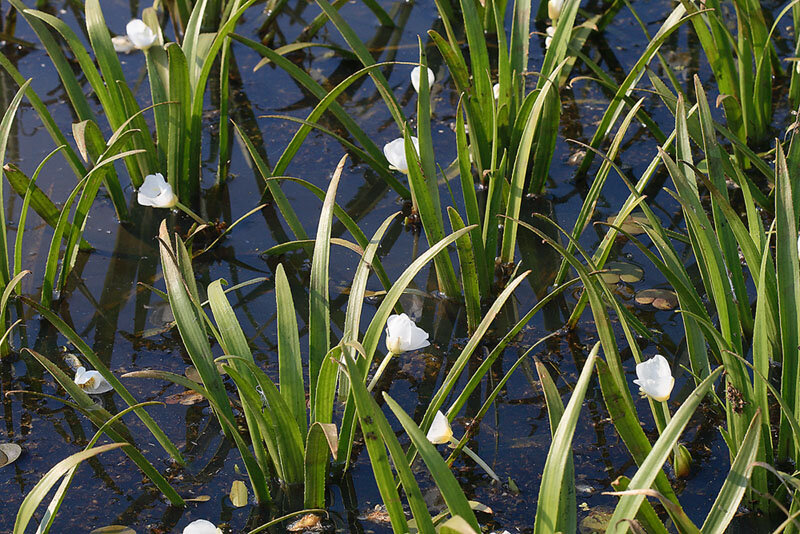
(415, 75)
(554, 8)
(156, 192)
(402, 335)
(140, 34)
(550, 31)
(92, 382)
(440, 431)
(654, 378)
(395, 152)
(122, 44)
(496, 91)
(201, 526)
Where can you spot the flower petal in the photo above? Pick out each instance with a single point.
(440, 431)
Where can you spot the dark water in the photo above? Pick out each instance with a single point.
(124, 323)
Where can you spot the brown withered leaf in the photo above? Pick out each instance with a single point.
(309, 522)
(185, 398)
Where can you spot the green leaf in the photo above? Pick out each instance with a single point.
(444, 479)
(290, 361)
(565, 506)
(727, 502)
(319, 318)
(99, 366)
(321, 441)
(118, 431)
(469, 274)
(43, 487)
(372, 419)
(552, 512)
(645, 476)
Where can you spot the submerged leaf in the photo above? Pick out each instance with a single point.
(192, 374)
(185, 398)
(595, 522)
(632, 224)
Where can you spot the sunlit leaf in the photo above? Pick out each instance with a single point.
(9, 452)
(238, 493)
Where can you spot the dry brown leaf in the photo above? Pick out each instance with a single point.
(185, 398)
(307, 522)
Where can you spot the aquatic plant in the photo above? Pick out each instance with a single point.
(732, 252)
(178, 78)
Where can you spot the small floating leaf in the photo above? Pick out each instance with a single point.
(238, 493)
(113, 529)
(199, 498)
(616, 271)
(662, 299)
(9, 452)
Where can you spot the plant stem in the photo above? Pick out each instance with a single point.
(380, 370)
(469, 452)
(667, 419)
(190, 213)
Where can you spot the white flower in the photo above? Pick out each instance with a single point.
(92, 382)
(201, 526)
(496, 91)
(440, 431)
(554, 8)
(122, 44)
(140, 34)
(415, 73)
(156, 192)
(551, 31)
(395, 152)
(654, 378)
(402, 335)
